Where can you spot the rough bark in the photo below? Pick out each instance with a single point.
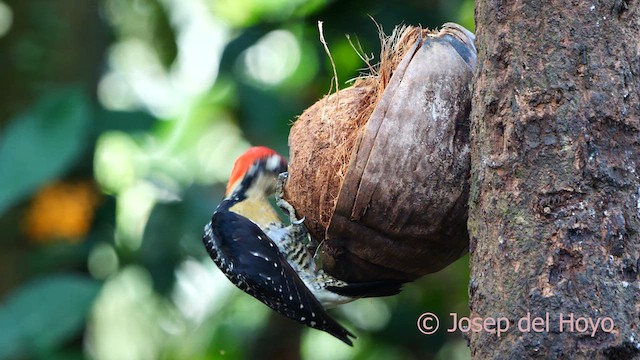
(554, 212)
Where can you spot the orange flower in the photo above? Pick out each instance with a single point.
(61, 211)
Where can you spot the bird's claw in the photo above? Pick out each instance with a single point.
(282, 179)
(287, 208)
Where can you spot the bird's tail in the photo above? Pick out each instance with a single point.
(368, 289)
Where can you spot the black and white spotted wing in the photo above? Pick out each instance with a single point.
(251, 261)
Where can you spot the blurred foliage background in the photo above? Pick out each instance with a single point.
(119, 123)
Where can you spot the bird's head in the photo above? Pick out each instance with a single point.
(255, 172)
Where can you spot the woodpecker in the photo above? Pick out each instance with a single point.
(272, 261)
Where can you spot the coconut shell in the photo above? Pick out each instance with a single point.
(381, 170)
(316, 158)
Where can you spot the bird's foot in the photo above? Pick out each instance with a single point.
(287, 208)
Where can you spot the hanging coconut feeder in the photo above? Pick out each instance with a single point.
(380, 170)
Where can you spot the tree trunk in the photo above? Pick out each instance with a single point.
(554, 214)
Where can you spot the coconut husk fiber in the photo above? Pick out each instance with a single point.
(380, 170)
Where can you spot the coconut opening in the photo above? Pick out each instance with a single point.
(327, 133)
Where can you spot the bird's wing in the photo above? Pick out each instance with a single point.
(256, 266)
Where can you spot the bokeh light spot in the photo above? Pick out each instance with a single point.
(273, 58)
(6, 18)
(103, 261)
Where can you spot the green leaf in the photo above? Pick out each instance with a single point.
(44, 314)
(42, 144)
